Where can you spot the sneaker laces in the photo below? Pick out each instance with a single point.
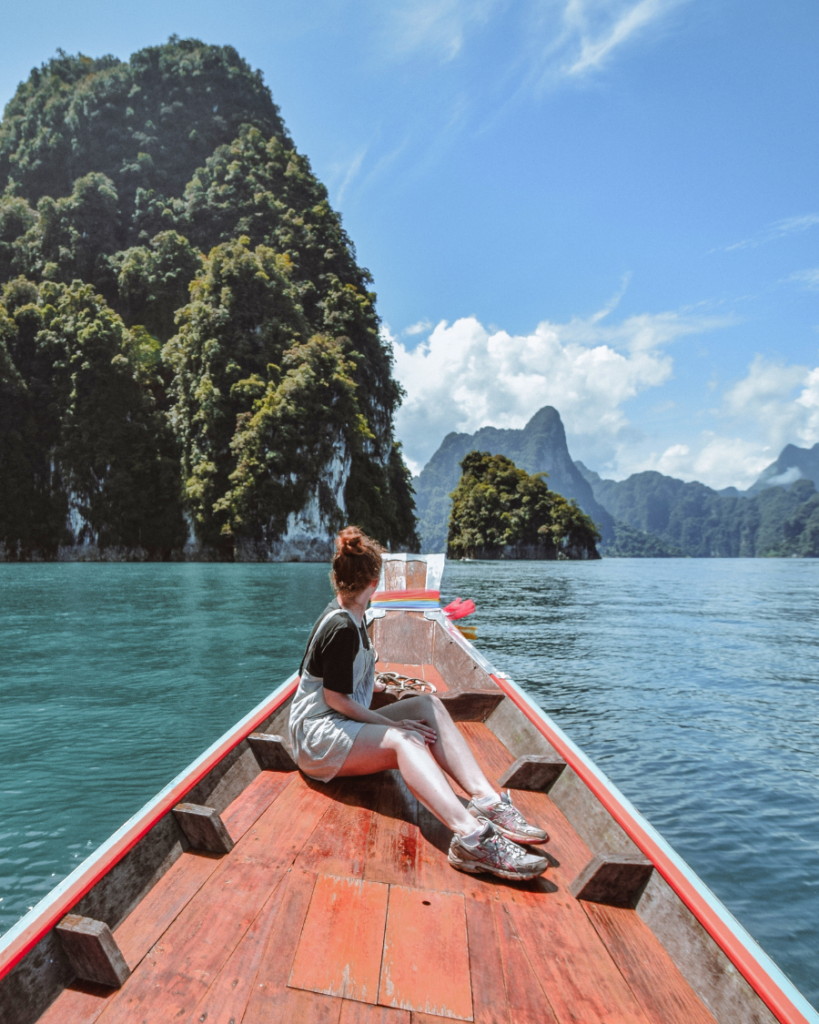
(502, 843)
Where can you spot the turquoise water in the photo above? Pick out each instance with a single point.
(693, 684)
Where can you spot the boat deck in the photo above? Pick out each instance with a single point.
(337, 906)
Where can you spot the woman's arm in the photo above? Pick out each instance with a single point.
(350, 708)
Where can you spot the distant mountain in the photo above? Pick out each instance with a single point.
(793, 464)
(538, 447)
(703, 523)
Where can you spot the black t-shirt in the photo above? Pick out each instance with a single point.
(335, 650)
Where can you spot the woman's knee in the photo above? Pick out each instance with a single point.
(405, 739)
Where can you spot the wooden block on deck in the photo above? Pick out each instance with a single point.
(93, 951)
(615, 879)
(536, 772)
(471, 705)
(203, 827)
(271, 752)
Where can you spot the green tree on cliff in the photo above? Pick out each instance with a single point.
(496, 505)
(157, 213)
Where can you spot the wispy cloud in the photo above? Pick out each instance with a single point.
(596, 28)
(436, 26)
(350, 172)
(809, 278)
(419, 328)
(779, 229)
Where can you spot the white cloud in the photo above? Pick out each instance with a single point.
(419, 328)
(437, 26)
(773, 405)
(779, 229)
(464, 376)
(597, 28)
(715, 461)
(809, 278)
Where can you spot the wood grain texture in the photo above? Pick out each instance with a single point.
(392, 843)
(80, 1003)
(226, 999)
(366, 1013)
(537, 772)
(395, 574)
(416, 574)
(339, 843)
(663, 993)
(146, 924)
(174, 976)
(426, 960)
(527, 1000)
(203, 827)
(249, 806)
(339, 952)
(93, 951)
(471, 705)
(272, 751)
(583, 984)
(271, 999)
(615, 879)
(490, 1005)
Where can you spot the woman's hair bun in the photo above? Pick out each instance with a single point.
(350, 541)
(351, 575)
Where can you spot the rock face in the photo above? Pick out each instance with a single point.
(539, 447)
(793, 464)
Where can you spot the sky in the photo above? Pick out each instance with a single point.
(608, 206)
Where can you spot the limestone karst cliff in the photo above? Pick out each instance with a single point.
(190, 361)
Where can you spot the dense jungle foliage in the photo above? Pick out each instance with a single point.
(185, 333)
(499, 510)
(698, 522)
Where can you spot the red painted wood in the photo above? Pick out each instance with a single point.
(528, 1002)
(490, 1005)
(140, 825)
(392, 847)
(272, 1000)
(340, 841)
(172, 979)
(742, 958)
(253, 801)
(148, 921)
(339, 953)
(80, 1003)
(226, 999)
(432, 674)
(583, 984)
(663, 993)
(366, 1013)
(426, 960)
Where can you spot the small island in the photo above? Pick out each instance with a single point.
(500, 511)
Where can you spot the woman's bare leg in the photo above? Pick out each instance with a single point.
(451, 750)
(378, 747)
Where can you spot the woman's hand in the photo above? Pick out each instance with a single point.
(379, 687)
(418, 725)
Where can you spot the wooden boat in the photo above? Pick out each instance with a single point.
(246, 893)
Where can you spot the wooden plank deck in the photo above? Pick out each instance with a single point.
(337, 906)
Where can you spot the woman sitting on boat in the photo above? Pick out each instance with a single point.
(335, 733)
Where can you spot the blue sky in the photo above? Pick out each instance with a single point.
(610, 206)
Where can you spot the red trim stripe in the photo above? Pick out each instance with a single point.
(754, 973)
(406, 595)
(141, 825)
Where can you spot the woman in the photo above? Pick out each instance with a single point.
(334, 732)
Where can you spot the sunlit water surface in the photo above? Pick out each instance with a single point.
(693, 684)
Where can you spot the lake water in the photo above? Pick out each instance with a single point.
(693, 684)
